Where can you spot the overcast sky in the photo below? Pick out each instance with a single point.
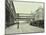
(26, 7)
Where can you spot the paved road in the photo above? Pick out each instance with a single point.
(23, 28)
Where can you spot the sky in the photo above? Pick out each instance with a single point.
(26, 7)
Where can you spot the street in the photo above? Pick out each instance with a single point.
(23, 28)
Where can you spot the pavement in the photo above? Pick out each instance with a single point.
(23, 28)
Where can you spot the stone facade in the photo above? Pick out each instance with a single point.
(10, 12)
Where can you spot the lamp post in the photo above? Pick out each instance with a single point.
(17, 21)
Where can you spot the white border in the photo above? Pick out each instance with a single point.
(2, 17)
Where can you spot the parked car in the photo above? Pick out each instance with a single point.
(38, 23)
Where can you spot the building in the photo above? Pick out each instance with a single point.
(10, 13)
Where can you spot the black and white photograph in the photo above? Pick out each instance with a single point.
(24, 17)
